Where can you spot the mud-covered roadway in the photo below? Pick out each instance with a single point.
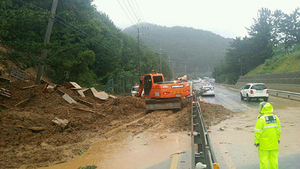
(24, 147)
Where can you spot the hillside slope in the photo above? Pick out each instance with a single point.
(190, 50)
(279, 64)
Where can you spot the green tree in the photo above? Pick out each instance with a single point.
(291, 28)
(261, 34)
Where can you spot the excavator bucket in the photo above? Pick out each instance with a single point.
(164, 104)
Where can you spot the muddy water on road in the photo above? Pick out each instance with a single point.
(128, 152)
(233, 144)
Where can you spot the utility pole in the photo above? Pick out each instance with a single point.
(139, 51)
(160, 61)
(171, 64)
(46, 41)
(241, 66)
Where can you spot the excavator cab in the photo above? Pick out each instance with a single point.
(149, 80)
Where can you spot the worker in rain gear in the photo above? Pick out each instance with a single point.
(267, 136)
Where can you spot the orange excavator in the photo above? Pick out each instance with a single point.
(163, 94)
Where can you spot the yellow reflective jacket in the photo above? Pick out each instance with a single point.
(267, 129)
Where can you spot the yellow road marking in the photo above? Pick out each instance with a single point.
(174, 161)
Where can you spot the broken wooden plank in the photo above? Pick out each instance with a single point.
(85, 103)
(75, 85)
(24, 101)
(85, 110)
(28, 87)
(69, 99)
(32, 128)
(102, 95)
(72, 85)
(112, 96)
(5, 93)
(99, 95)
(81, 92)
(51, 88)
(44, 87)
(61, 122)
(21, 102)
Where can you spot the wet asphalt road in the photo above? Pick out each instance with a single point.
(234, 146)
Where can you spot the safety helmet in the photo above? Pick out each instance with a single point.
(265, 108)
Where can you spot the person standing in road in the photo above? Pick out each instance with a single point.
(267, 136)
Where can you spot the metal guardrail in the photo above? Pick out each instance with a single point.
(202, 151)
(286, 93)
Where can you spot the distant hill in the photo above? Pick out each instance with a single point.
(190, 50)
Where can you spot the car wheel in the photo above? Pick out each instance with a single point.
(248, 98)
(242, 98)
(266, 99)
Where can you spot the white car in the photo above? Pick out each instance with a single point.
(208, 90)
(255, 91)
(134, 90)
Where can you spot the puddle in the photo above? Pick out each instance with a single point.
(127, 152)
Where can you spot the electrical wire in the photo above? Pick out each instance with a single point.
(137, 14)
(129, 12)
(126, 14)
(140, 12)
(133, 11)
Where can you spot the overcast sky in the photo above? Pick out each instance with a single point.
(227, 18)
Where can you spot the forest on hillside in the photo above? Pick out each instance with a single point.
(272, 36)
(85, 45)
(189, 50)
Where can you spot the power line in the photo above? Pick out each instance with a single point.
(137, 18)
(138, 15)
(140, 11)
(126, 14)
(129, 12)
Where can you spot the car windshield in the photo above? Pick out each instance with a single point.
(207, 87)
(135, 89)
(259, 87)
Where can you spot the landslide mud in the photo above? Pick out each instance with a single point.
(22, 147)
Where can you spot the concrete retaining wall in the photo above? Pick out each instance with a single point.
(288, 81)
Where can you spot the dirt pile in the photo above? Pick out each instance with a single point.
(34, 108)
(214, 114)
